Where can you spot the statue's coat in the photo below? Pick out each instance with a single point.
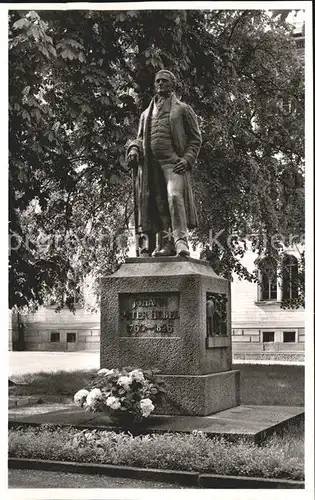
(187, 141)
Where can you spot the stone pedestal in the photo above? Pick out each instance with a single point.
(155, 314)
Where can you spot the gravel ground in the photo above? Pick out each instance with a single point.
(20, 478)
(22, 362)
(25, 411)
(35, 361)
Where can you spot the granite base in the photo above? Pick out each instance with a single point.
(154, 316)
(200, 395)
(183, 283)
(253, 423)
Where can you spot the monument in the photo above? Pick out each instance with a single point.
(163, 309)
(162, 157)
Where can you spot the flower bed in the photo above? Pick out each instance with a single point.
(279, 457)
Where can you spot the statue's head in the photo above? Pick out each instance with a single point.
(164, 82)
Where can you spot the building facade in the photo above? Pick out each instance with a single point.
(47, 330)
(261, 328)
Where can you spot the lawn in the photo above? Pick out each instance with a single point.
(60, 383)
(279, 385)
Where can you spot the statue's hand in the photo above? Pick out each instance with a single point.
(133, 158)
(181, 166)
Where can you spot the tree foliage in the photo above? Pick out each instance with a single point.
(78, 82)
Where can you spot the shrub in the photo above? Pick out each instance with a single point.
(278, 457)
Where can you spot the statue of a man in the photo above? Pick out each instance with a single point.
(162, 158)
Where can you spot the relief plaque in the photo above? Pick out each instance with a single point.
(216, 314)
(149, 314)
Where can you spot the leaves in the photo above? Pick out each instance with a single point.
(77, 86)
(21, 23)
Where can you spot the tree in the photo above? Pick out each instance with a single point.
(66, 144)
(78, 82)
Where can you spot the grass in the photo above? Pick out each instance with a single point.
(60, 383)
(278, 385)
(278, 457)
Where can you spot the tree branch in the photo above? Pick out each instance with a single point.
(244, 14)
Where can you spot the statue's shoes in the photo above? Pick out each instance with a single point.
(182, 249)
(167, 251)
(183, 253)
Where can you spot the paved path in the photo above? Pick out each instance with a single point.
(251, 422)
(271, 362)
(37, 361)
(20, 478)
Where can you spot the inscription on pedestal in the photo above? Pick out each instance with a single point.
(149, 315)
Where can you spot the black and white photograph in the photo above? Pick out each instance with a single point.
(159, 265)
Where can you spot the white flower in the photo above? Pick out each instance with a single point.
(93, 396)
(103, 371)
(137, 375)
(147, 386)
(124, 381)
(110, 372)
(80, 396)
(198, 433)
(146, 407)
(113, 403)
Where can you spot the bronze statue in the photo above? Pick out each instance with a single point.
(162, 158)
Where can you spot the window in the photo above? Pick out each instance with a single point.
(288, 105)
(289, 277)
(71, 337)
(75, 297)
(54, 337)
(288, 336)
(268, 279)
(268, 336)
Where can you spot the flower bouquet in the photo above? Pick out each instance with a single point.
(128, 395)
